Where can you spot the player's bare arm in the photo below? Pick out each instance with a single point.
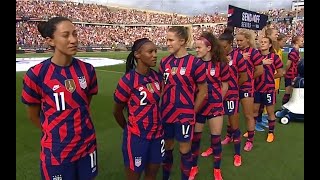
(118, 114)
(203, 90)
(224, 88)
(288, 64)
(243, 77)
(34, 114)
(258, 71)
(279, 73)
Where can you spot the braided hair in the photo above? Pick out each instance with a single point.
(130, 63)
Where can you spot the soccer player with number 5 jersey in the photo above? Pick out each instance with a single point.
(264, 85)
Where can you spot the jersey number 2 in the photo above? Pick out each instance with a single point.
(144, 96)
(57, 100)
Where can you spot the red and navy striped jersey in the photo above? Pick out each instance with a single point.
(294, 57)
(142, 96)
(216, 73)
(237, 65)
(255, 60)
(265, 82)
(180, 78)
(63, 93)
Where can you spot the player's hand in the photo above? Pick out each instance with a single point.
(228, 59)
(246, 56)
(267, 61)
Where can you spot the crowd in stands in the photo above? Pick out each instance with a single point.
(111, 34)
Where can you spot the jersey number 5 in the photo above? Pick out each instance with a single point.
(57, 101)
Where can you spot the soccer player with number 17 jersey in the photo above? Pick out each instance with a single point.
(182, 73)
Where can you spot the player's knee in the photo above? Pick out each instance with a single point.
(248, 116)
(169, 144)
(185, 147)
(151, 173)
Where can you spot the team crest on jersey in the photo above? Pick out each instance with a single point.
(137, 161)
(150, 88)
(82, 82)
(183, 70)
(70, 85)
(212, 71)
(157, 85)
(174, 70)
(56, 177)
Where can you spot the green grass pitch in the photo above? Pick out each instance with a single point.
(281, 160)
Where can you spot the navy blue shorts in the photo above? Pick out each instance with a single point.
(231, 107)
(244, 94)
(138, 152)
(202, 118)
(180, 132)
(287, 82)
(83, 169)
(265, 98)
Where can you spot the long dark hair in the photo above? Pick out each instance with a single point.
(227, 35)
(217, 51)
(130, 63)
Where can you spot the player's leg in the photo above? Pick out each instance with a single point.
(151, 171)
(215, 126)
(183, 134)
(134, 151)
(270, 101)
(195, 146)
(229, 107)
(247, 100)
(288, 91)
(257, 111)
(63, 171)
(169, 145)
(87, 167)
(233, 117)
(156, 153)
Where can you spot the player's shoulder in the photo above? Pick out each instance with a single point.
(37, 68)
(193, 57)
(255, 50)
(236, 52)
(155, 74)
(276, 56)
(128, 76)
(166, 58)
(293, 50)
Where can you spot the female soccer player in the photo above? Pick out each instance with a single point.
(238, 75)
(182, 73)
(291, 66)
(246, 46)
(58, 93)
(261, 119)
(264, 85)
(139, 91)
(212, 53)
